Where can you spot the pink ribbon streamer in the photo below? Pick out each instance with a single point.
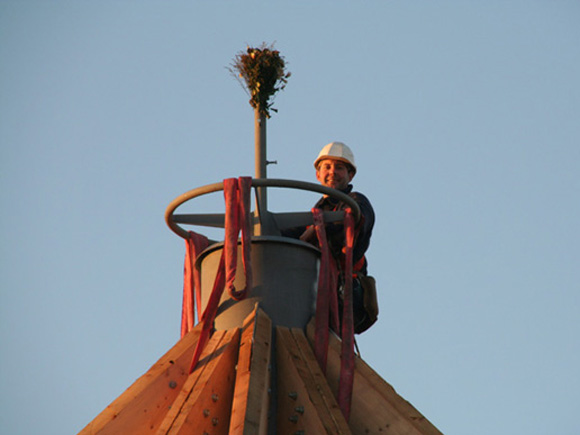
(237, 199)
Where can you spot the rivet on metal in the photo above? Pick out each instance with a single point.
(214, 397)
(214, 421)
(293, 395)
(299, 409)
(172, 384)
(293, 418)
(206, 412)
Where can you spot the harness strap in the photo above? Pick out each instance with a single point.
(357, 267)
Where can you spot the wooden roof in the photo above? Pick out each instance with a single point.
(230, 390)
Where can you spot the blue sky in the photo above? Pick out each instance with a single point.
(464, 120)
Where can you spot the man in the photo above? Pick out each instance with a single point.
(335, 167)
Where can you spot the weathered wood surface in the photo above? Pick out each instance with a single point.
(251, 398)
(305, 401)
(376, 406)
(142, 407)
(190, 383)
(228, 392)
(206, 407)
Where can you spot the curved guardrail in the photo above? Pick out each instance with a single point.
(256, 182)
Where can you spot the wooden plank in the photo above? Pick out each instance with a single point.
(251, 398)
(318, 376)
(305, 402)
(376, 406)
(176, 407)
(292, 392)
(142, 407)
(207, 409)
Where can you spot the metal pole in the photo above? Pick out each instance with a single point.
(260, 164)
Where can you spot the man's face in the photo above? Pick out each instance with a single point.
(334, 173)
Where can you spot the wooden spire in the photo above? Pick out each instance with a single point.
(229, 390)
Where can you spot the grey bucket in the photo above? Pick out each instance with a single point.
(285, 274)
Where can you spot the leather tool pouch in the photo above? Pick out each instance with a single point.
(371, 304)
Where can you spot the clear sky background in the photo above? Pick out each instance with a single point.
(464, 118)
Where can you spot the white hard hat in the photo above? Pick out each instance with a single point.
(336, 151)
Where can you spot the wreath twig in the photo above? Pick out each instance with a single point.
(263, 73)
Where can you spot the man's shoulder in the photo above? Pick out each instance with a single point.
(365, 206)
(359, 197)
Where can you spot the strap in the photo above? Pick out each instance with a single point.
(345, 385)
(237, 199)
(194, 245)
(326, 307)
(209, 313)
(324, 291)
(357, 267)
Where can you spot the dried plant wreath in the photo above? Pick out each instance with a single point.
(263, 73)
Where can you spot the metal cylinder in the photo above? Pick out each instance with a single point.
(285, 274)
(261, 167)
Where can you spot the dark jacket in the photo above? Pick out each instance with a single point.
(335, 231)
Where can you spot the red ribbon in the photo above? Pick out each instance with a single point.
(237, 199)
(347, 352)
(324, 292)
(327, 307)
(194, 244)
(237, 196)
